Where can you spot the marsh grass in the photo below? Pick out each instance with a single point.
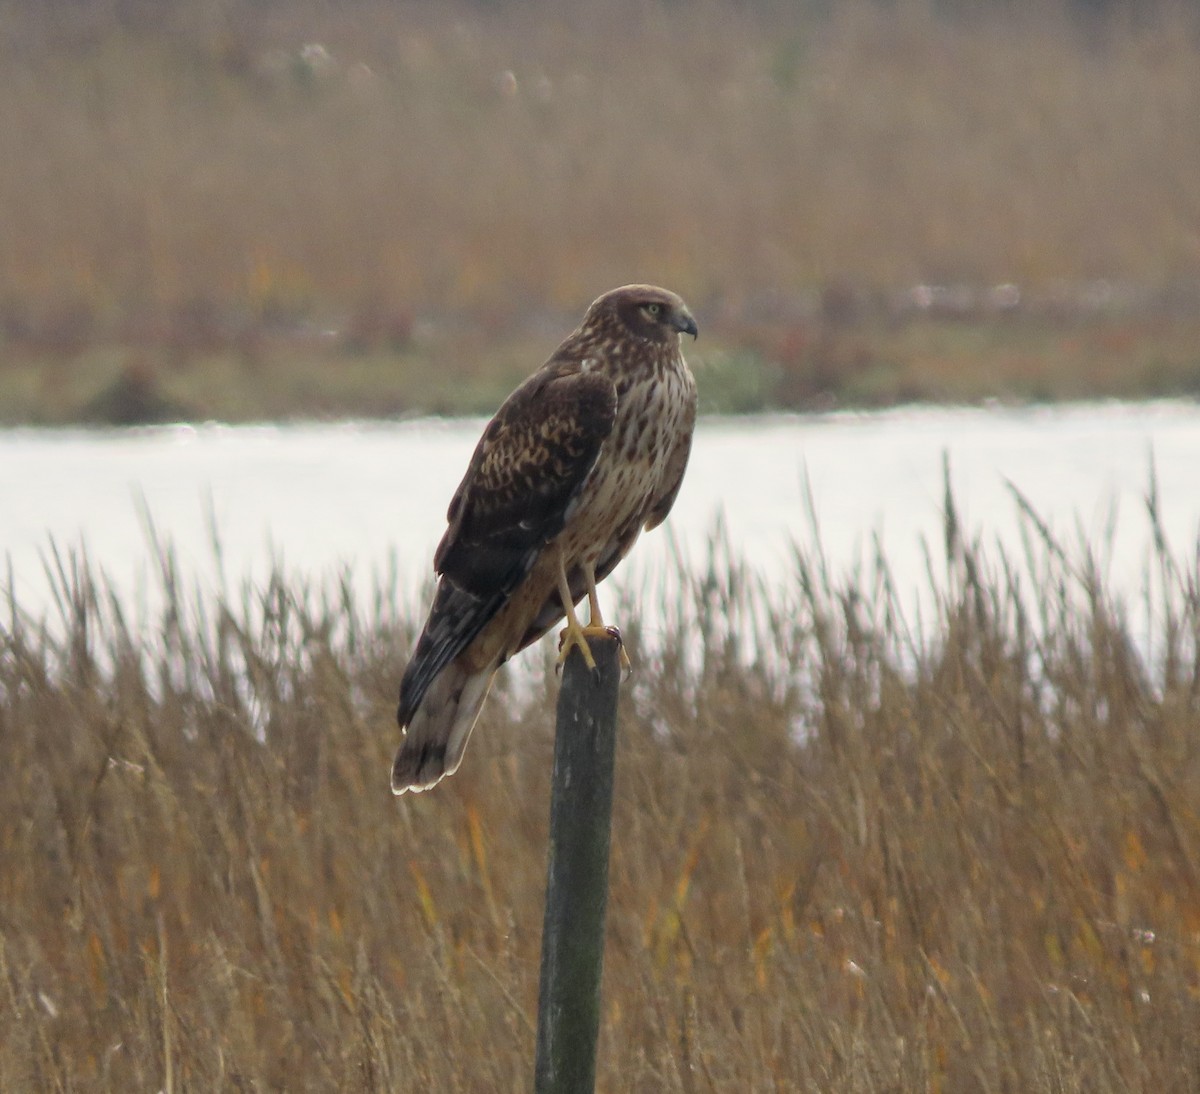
(169, 166)
(851, 852)
(200, 191)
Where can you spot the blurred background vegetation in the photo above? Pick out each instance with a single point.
(853, 852)
(248, 208)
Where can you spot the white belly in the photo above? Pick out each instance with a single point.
(628, 477)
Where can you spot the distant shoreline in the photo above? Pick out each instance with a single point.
(807, 362)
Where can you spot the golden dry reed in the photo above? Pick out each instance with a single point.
(406, 157)
(850, 853)
(245, 210)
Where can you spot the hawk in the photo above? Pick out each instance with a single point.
(587, 452)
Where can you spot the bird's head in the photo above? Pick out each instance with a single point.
(646, 311)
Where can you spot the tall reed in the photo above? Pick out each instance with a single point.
(850, 852)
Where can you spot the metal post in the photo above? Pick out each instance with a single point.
(577, 872)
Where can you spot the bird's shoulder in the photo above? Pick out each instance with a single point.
(558, 415)
(532, 458)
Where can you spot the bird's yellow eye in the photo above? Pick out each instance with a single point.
(653, 309)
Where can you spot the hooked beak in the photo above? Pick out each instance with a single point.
(685, 324)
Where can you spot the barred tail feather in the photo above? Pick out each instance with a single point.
(437, 731)
(455, 619)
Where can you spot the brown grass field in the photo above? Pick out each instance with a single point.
(869, 857)
(248, 209)
(851, 852)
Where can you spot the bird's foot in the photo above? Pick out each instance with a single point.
(575, 636)
(626, 664)
(578, 636)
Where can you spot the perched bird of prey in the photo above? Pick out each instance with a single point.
(587, 452)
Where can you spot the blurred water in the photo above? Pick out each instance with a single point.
(320, 498)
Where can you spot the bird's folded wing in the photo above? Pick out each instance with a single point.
(526, 473)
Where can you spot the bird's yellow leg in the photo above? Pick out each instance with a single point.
(595, 619)
(596, 623)
(574, 634)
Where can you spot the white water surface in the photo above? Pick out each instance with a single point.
(322, 499)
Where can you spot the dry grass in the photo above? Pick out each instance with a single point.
(964, 857)
(729, 150)
(188, 179)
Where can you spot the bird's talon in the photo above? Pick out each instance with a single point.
(626, 664)
(569, 637)
(572, 637)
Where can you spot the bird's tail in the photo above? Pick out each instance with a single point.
(436, 735)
